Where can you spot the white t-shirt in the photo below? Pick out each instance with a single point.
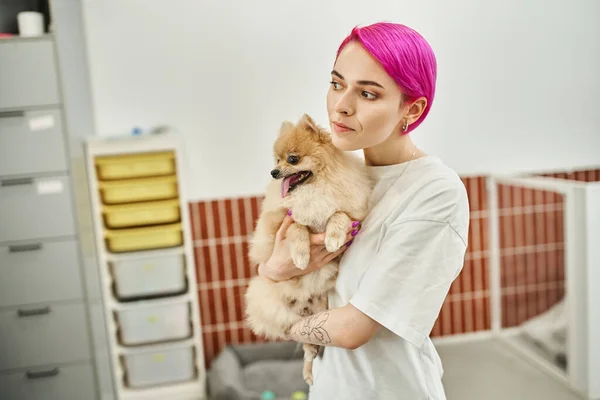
(398, 271)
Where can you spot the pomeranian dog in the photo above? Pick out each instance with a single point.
(325, 189)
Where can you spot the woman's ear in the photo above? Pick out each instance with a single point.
(415, 110)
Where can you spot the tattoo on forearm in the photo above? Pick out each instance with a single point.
(312, 330)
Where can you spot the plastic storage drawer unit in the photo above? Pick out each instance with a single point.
(152, 368)
(151, 276)
(138, 190)
(129, 166)
(142, 214)
(154, 323)
(137, 239)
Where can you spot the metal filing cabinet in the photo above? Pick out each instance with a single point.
(45, 346)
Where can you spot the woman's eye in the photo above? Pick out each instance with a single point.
(336, 85)
(368, 95)
(293, 160)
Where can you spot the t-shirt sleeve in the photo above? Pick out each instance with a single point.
(408, 279)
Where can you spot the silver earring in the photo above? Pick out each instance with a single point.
(405, 126)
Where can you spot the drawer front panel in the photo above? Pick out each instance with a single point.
(28, 74)
(31, 142)
(39, 272)
(35, 208)
(74, 381)
(43, 335)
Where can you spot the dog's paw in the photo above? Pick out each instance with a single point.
(307, 375)
(301, 257)
(310, 352)
(335, 240)
(336, 231)
(299, 242)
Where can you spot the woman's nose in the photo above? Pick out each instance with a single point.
(344, 105)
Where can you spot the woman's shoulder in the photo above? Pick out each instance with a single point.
(429, 178)
(433, 191)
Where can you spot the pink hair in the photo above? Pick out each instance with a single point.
(406, 57)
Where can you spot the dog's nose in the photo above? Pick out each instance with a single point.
(275, 173)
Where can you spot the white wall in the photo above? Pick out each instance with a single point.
(518, 84)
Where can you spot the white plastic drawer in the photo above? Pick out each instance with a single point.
(43, 335)
(39, 272)
(151, 276)
(151, 368)
(31, 142)
(151, 323)
(67, 382)
(35, 208)
(28, 73)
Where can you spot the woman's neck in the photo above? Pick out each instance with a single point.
(395, 150)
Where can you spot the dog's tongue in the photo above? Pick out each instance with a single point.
(285, 185)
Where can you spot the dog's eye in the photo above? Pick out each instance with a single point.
(293, 159)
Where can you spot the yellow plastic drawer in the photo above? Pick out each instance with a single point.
(138, 190)
(129, 166)
(141, 214)
(138, 239)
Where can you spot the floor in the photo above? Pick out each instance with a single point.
(489, 370)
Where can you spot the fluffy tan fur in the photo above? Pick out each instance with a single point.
(332, 197)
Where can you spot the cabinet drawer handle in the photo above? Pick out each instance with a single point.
(17, 182)
(34, 312)
(24, 247)
(12, 114)
(42, 374)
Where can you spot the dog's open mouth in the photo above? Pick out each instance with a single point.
(291, 182)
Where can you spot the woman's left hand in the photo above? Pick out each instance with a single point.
(280, 266)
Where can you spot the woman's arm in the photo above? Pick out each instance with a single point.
(345, 327)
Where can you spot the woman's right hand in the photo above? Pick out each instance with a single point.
(280, 266)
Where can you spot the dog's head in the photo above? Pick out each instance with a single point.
(301, 154)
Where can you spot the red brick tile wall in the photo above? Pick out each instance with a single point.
(587, 175)
(221, 230)
(466, 308)
(531, 252)
(532, 262)
(532, 248)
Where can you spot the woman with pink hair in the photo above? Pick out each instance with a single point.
(393, 281)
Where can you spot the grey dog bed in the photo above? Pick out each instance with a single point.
(243, 372)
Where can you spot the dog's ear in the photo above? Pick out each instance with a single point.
(324, 137)
(309, 124)
(285, 127)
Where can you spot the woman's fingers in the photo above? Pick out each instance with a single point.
(319, 252)
(317, 239)
(326, 256)
(287, 222)
(333, 255)
(350, 237)
(322, 251)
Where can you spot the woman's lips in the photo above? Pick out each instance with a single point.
(340, 128)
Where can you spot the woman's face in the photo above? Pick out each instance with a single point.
(363, 102)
